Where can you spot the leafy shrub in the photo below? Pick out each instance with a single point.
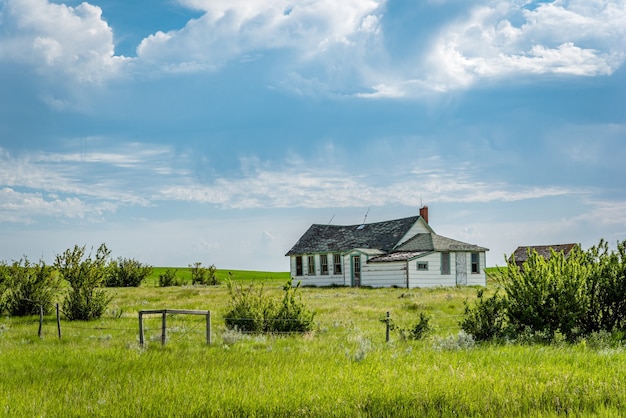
(548, 295)
(169, 278)
(252, 311)
(292, 314)
(127, 272)
(561, 298)
(487, 318)
(421, 328)
(86, 299)
(24, 287)
(416, 332)
(607, 288)
(203, 275)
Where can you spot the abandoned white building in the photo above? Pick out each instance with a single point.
(402, 253)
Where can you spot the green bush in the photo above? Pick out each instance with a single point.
(169, 278)
(607, 288)
(487, 318)
(421, 328)
(250, 309)
(561, 298)
(416, 332)
(127, 272)
(548, 295)
(24, 287)
(292, 314)
(86, 299)
(203, 275)
(254, 312)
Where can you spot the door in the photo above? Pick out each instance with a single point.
(461, 269)
(356, 270)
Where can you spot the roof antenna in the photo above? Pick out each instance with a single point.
(366, 213)
(331, 219)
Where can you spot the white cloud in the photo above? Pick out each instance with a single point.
(27, 207)
(315, 188)
(231, 29)
(55, 38)
(105, 179)
(583, 38)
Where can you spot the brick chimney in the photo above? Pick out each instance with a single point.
(424, 213)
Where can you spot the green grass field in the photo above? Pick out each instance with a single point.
(344, 368)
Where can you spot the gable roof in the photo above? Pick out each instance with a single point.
(521, 253)
(337, 238)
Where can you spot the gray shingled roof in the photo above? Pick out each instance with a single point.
(434, 242)
(336, 238)
(521, 253)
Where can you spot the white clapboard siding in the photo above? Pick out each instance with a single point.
(431, 277)
(384, 274)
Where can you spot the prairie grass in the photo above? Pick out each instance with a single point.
(344, 368)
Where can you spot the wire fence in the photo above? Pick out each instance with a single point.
(173, 326)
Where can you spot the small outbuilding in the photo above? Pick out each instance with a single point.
(520, 255)
(400, 253)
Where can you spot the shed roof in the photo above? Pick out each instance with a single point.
(434, 242)
(521, 253)
(330, 238)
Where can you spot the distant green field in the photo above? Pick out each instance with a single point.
(345, 368)
(239, 275)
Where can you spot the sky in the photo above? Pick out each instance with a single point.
(218, 131)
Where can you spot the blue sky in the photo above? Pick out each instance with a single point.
(217, 131)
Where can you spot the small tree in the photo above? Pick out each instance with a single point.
(169, 278)
(203, 275)
(24, 287)
(86, 299)
(127, 272)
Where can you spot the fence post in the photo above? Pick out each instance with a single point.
(40, 320)
(141, 329)
(208, 328)
(164, 327)
(58, 321)
(388, 322)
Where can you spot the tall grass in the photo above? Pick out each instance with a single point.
(344, 368)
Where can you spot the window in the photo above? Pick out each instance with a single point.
(445, 263)
(299, 265)
(311, 265)
(422, 265)
(324, 263)
(475, 263)
(337, 262)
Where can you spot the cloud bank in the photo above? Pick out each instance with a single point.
(329, 46)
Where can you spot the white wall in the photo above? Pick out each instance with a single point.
(389, 274)
(386, 274)
(319, 279)
(431, 277)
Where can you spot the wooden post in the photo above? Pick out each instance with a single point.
(208, 328)
(388, 321)
(141, 329)
(40, 320)
(58, 321)
(164, 327)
